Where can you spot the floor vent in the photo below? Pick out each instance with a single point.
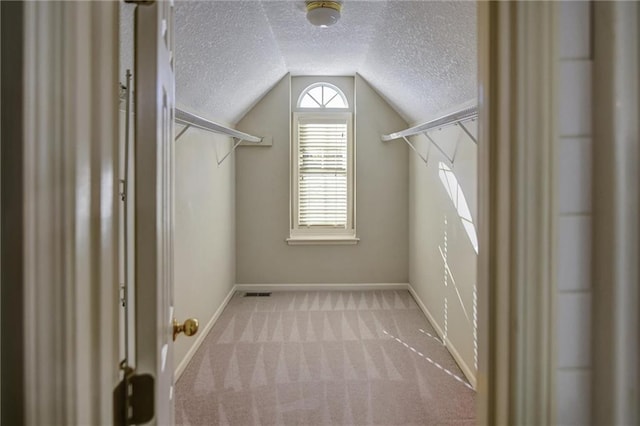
(255, 294)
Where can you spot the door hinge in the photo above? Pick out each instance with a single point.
(133, 399)
(123, 192)
(123, 300)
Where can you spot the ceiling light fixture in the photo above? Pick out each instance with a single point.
(323, 13)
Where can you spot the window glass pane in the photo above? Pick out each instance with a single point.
(327, 94)
(336, 102)
(322, 174)
(316, 94)
(322, 95)
(308, 102)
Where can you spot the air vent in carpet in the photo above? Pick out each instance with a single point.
(255, 294)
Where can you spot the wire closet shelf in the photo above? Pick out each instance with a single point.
(454, 119)
(191, 120)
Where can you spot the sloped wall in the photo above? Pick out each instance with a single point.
(442, 268)
(262, 201)
(204, 246)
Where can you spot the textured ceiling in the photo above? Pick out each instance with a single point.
(419, 55)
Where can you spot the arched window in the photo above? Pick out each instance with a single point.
(322, 95)
(322, 177)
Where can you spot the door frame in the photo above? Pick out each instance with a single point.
(11, 114)
(59, 257)
(84, 140)
(516, 279)
(86, 36)
(616, 228)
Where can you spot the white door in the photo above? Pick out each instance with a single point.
(154, 167)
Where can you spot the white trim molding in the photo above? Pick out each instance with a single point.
(468, 371)
(322, 287)
(515, 210)
(616, 200)
(313, 233)
(202, 334)
(533, 214)
(319, 241)
(70, 211)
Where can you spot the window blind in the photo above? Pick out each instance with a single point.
(322, 173)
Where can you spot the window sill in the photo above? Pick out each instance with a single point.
(322, 241)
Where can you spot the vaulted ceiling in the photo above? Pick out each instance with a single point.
(419, 55)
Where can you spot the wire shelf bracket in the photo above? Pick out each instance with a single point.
(455, 119)
(191, 120)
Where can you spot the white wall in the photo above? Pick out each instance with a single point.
(436, 230)
(204, 249)
(573, 210)
(262, 200)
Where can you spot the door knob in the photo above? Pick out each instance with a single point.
(189, 327)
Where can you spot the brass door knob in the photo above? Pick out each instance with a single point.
(189, 327)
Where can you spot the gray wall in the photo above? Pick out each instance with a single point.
(204, 250)
(435, 226)
(262, 200)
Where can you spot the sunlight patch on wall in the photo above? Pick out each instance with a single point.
(450, 182)
(454, 190)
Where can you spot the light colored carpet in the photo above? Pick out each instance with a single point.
(323, 358)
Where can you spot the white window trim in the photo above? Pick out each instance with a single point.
(318, 235)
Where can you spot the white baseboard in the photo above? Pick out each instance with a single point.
(275, 287)
(468, 372)
(322, 287)
(202, 333)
